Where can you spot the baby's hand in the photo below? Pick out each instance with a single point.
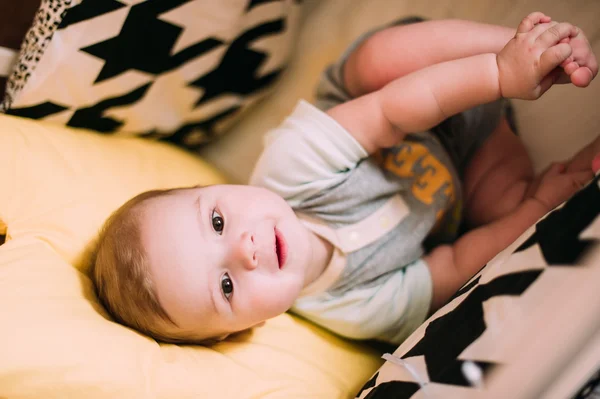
(556, 186)
(527, 64)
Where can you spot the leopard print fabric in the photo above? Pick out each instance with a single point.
(45, 23)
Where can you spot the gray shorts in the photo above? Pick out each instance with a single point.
(461, 135)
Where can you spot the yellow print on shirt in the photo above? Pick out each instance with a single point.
(432, 179)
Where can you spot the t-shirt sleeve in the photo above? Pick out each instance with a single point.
(389, 311)
(308, 153)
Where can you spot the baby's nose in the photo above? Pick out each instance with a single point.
(245, 251)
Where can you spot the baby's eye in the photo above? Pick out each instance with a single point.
(218, 223)
(226, 286)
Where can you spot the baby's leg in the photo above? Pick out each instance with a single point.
(497, 178)
(500, 175)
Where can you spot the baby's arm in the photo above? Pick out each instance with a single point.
(452, 266)
(399, 50)
(402, 49)
(419, 101)
(424, 98)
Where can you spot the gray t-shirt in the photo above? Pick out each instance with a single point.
(376, 211)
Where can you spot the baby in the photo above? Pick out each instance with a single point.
(351, 219)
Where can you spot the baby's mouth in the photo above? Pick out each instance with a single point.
(280, 248)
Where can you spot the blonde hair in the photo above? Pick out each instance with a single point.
(122, 278)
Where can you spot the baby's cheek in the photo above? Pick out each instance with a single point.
(274, 299)
(265, 301)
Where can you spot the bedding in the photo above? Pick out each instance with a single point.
(58, 186)
(15, 20)
(526, 326)
(172, 70)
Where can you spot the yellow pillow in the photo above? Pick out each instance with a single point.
(57, 187)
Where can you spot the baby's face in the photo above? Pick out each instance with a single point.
(224, 258)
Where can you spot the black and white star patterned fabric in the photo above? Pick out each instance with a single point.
(174, 70)
(516, 327)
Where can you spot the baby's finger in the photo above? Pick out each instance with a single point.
(553, 57)
(554, 34)
(539, 29)
(531, 20)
